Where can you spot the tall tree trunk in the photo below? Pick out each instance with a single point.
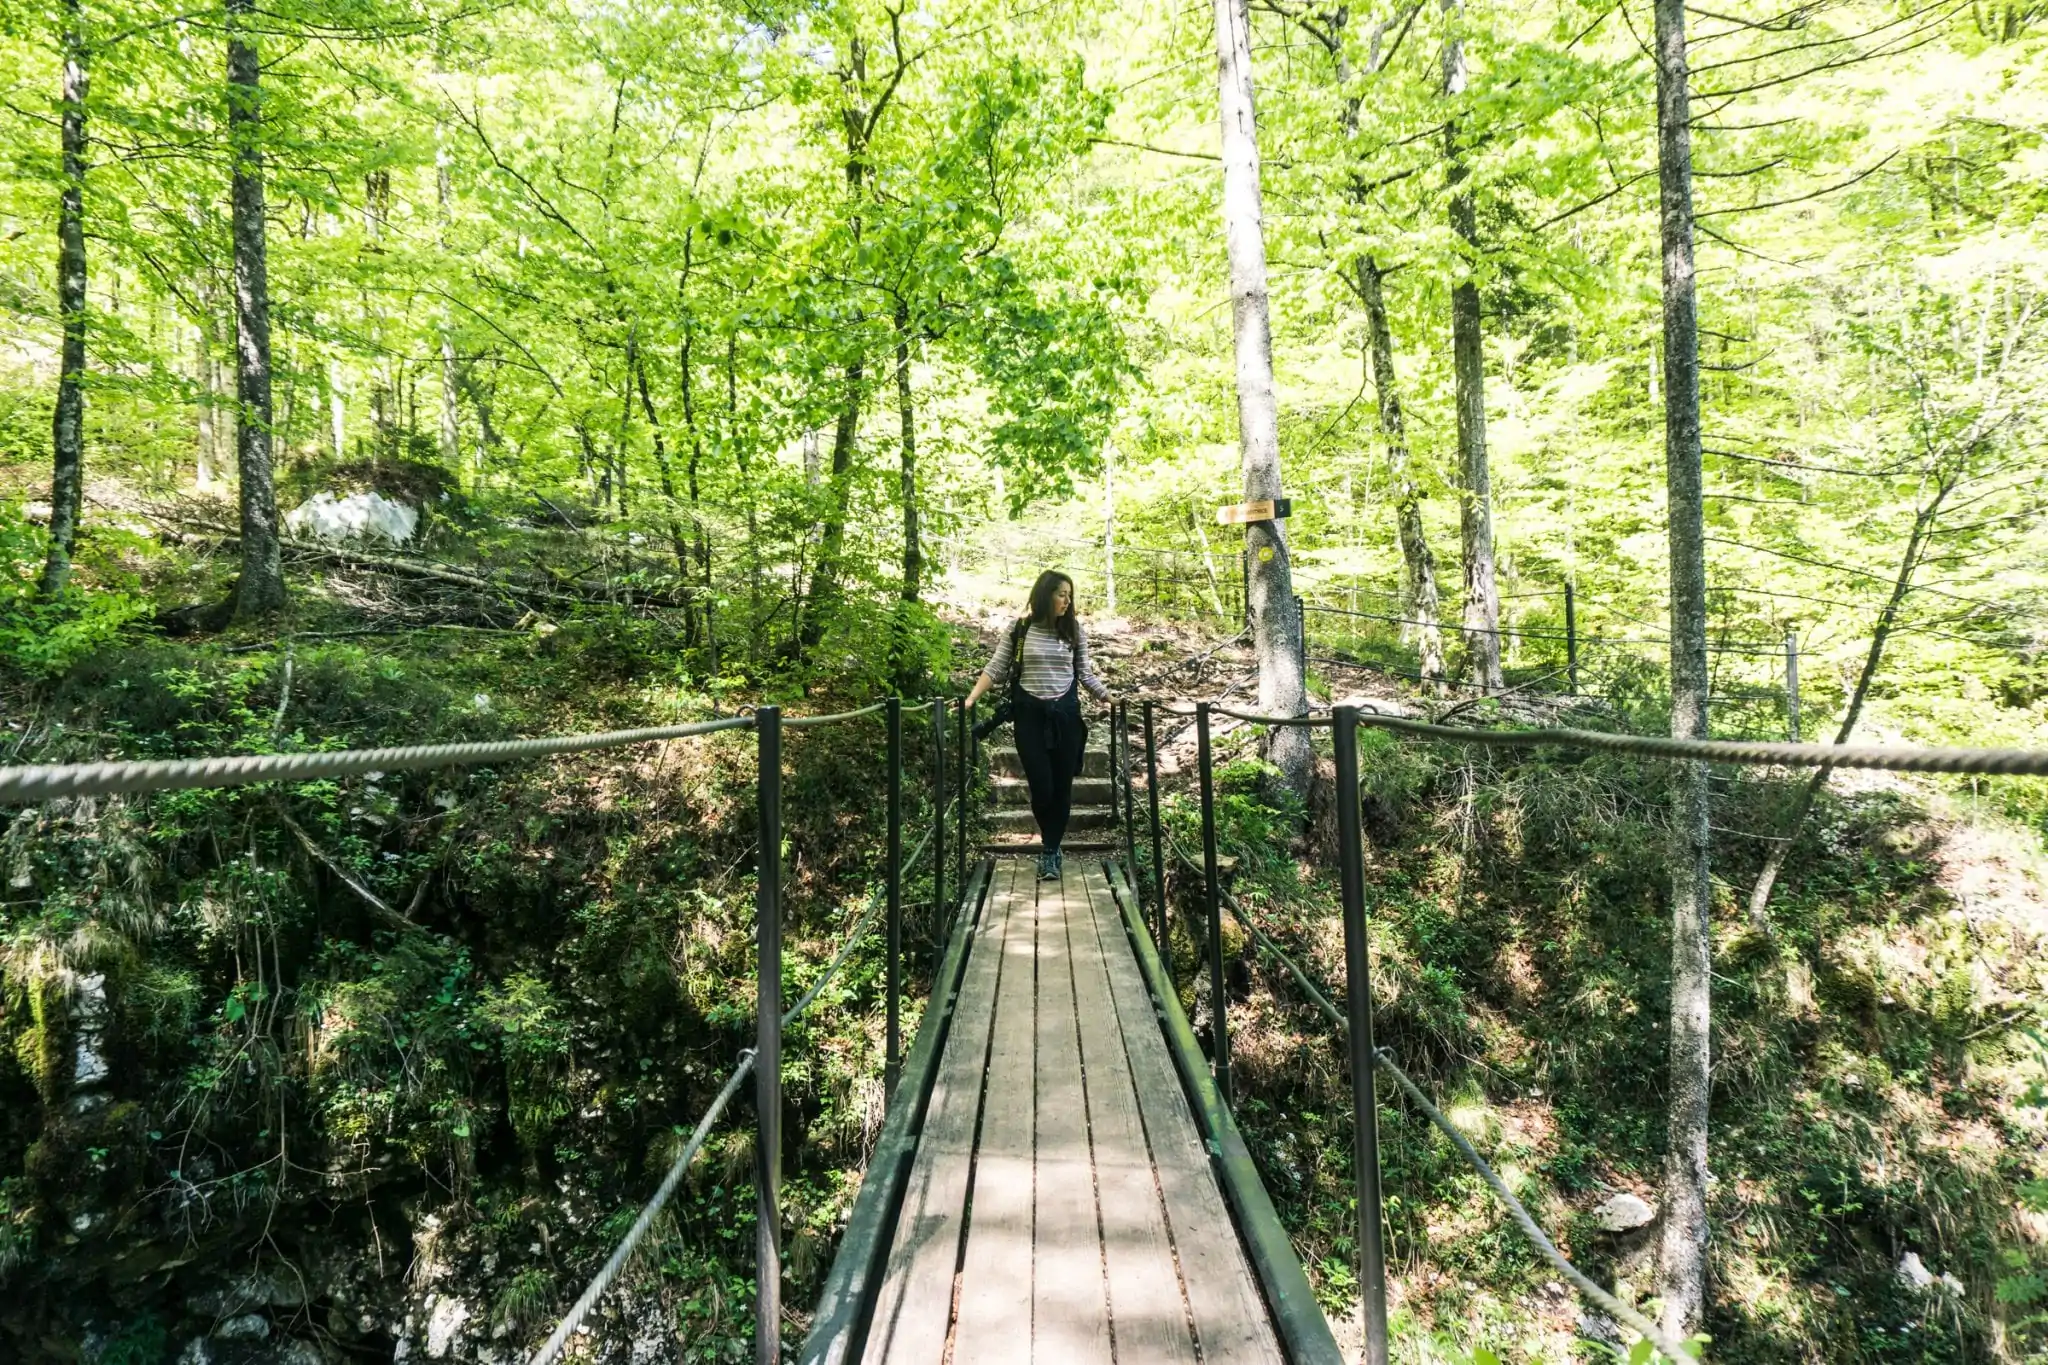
(1880, 635)
(212, 467)
(913, 552)
(1208, 561)
(1109, 527)
(677, 545)
(1276, 619)
(825, 588)
(451, 428)
(1475, 484)
(260, 590)
(740, 458)
(486, 428)
(67, 426)
(1682, 1271)
(618, 454)
(339, 416)
(1421, 605)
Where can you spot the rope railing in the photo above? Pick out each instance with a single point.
(2002, 762)
(24, 783)
(42, 782)
(806, 722)
(1879, 757)
(1297, 722)
(630, 1243)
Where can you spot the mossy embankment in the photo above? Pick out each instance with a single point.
(394, 1059)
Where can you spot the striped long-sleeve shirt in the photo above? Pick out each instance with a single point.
(1049, 665)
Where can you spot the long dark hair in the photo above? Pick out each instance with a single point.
(1067, 627)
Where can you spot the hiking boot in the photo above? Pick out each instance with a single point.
(1048, 871)
(1059, 863)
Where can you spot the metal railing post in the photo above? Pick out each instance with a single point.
(893, 980)
(768, 1041)
(1792, 683)
(1123, 751)
(1158, 859)
(1372, 1267)
(1571, 639)
(960, 730)
(1219, 1004)
(938, 817)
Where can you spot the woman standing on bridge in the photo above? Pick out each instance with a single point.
(1045, 661)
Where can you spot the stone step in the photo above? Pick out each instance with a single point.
(1015, 820)
(1015, 791)
(1003, 762)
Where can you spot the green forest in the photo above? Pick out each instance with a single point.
(379, 374)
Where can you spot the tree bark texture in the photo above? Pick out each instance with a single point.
(1276, 620)
(663, 471)
(825, 588)
(67, 425)
(451, 428)
(339, 415)
(1468, 356)
(260, 590)
(913, 552)
(1683, 1261)
(212, 462)
(1420, 598)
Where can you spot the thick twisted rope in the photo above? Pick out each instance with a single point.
(1384, 1058)
(805, 722)
(1886, 757)
(1298, 722)
(40, 782)
(1754, 753)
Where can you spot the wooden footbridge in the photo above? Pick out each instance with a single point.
(1061, 1182)
(1059, 1178)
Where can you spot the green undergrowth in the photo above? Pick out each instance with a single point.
(1878, 1085)
(484, 1005)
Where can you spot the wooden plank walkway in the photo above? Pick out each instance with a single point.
(1061, 1207)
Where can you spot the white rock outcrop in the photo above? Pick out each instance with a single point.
(359, 516)
(1624, 1213)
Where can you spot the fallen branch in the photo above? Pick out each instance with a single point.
(327, 860)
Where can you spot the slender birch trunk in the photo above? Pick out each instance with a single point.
(1468, 357)
(913, 551)
(1276, 620)
(1880, 636)
(260, 590)
(451, 412)
(1420, 601)
(67, 425)
(1682, 1270)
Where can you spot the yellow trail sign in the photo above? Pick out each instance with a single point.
(1266, 509)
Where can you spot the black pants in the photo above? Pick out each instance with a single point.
(1050, 737)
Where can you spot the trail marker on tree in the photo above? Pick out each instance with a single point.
(1265, 509)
